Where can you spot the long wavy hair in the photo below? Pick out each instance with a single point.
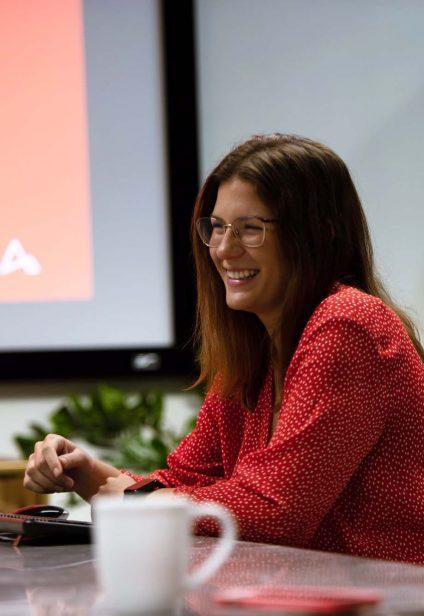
(324, 238)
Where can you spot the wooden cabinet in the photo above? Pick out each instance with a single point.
(12, 493)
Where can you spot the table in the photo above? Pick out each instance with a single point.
(61, 580)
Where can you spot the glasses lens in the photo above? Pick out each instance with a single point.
(204, 229)
(211, 231)
(251, 231)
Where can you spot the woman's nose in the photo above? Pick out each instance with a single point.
(229, 245)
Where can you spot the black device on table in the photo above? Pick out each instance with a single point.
(43, 525)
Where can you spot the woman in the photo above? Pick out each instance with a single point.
(312, 432)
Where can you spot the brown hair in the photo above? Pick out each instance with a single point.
(324, 238)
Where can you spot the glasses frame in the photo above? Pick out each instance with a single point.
(230, 225)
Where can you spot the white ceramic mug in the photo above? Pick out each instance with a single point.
(142, 547)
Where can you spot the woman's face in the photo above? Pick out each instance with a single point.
(262, 291)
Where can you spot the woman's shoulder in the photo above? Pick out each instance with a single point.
(347, 326)
(359, 316)
(347, 304)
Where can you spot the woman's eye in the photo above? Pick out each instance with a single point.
(217, 226)
(251, 228)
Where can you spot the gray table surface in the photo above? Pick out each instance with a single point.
(61, 580)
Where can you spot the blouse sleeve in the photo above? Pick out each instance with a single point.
(197, 460)
(332, 414)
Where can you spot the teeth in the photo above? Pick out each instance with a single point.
(240, 274)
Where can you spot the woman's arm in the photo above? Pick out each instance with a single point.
(197, 461)
(58, 465)
(332, 415)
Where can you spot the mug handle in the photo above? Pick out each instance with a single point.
(223, 546)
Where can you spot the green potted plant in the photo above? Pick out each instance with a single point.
(125, 429)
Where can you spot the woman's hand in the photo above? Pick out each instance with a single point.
(47, 466)
(58, 465)
(161, 492)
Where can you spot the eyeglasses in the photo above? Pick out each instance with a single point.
(248, 230)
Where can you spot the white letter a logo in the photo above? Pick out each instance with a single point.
(15, 258)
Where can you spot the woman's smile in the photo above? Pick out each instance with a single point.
(241, 276)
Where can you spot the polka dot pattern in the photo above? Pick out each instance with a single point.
(344, 469)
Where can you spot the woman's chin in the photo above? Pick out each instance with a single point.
(235, 302)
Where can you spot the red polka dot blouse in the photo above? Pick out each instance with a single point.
(344, 469)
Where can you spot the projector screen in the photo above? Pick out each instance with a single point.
(86, 237)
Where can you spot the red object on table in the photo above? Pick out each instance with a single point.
(304, 599)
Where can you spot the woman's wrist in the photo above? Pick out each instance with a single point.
(91, 476)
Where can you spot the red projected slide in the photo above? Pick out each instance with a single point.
(45, 231)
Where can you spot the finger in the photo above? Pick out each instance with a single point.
(74, 459)
(44, 459)
(36, 460)
(39, 462)
(44, 482)
(38, 454)
(30, 484)
(52, 447)
(63, 481)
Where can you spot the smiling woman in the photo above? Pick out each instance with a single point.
(319, 237)
(312, 431)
